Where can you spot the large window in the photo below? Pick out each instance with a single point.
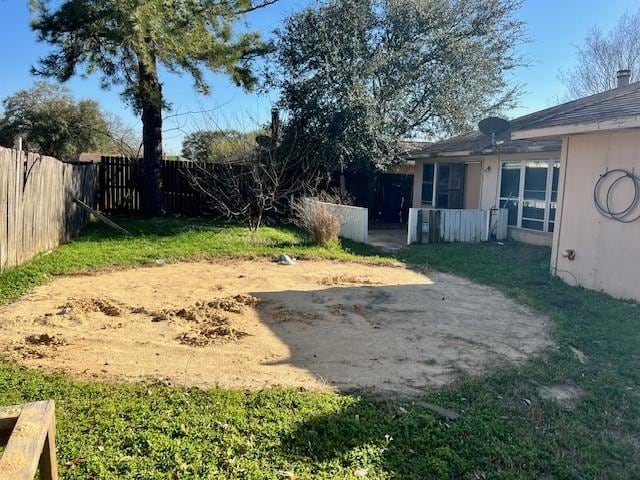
(529, 190)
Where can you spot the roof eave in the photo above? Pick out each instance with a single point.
(577, 128)
(422, 155)
(486, 152)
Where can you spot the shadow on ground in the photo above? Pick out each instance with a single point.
(403, 339)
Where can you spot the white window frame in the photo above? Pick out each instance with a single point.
(551, 162)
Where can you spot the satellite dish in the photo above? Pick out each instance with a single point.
(493, 126)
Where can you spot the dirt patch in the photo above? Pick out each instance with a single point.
(211, 334)
(565, 396)
(251, 324)
(35, 346)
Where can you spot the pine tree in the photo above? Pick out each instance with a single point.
(126, 41)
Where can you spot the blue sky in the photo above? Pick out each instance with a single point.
(554, 28)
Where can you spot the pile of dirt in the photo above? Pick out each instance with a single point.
(205, 322)
(211, 334)
(212, 326)
(35, 346)
(44, 339)
(89, 305)
(202, 311)
(345, 279)
(234, 304)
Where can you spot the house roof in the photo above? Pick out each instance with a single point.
(477, 143)
(613, 109)
(540, 131)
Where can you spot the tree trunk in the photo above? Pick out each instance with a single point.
(151, 103)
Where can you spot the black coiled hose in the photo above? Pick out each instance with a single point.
(603, 202)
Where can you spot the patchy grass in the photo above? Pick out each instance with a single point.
(171, 240)
(506, 430)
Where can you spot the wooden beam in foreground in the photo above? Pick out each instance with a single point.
(29, 431)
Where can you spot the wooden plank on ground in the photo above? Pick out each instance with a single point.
(101, 217)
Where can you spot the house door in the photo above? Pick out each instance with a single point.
(450, 185)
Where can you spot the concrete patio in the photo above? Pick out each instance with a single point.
(388, 238)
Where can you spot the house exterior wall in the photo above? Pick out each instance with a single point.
(482, 195)
(606, 251)
(472, 185)
(487, 190)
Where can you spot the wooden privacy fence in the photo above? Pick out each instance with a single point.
(456, 225)
(120, 187)
(37, 211)
(354, 221)
(28, 433)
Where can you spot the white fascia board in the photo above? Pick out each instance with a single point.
(577, 128)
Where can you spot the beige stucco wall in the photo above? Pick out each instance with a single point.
(606, 252)
(472, 185)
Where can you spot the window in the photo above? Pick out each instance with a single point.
(510, 190)
(442, 193)
(529, 190)
(427, 183)
(554, 195)
(443, 185)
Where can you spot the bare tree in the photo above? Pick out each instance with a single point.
(602, 55)
(256, 180)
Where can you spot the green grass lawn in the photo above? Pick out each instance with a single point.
(148, 432)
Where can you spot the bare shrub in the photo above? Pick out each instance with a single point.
(318, 220)
(256, 180)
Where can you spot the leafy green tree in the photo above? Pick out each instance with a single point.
(53, 123)
(127, 41)
(357, 76)
(216, 145)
